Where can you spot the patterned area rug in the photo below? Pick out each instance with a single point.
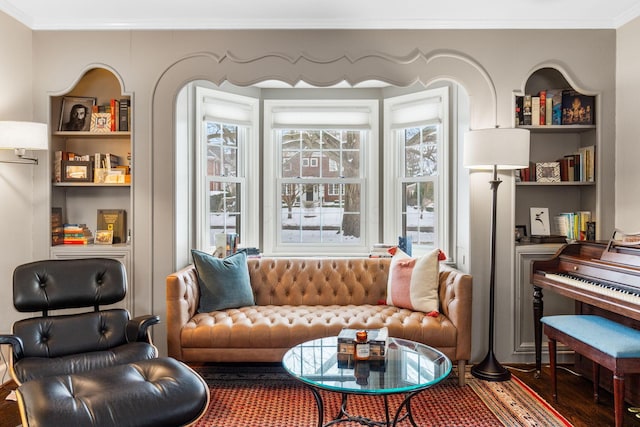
(266, 396)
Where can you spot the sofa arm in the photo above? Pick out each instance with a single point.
(183, 297)
(456, 293)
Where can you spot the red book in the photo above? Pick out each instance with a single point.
(543, 107)
(115, 112)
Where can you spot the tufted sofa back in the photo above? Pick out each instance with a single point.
(318, 281)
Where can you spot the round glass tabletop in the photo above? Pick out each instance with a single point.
(408, 366)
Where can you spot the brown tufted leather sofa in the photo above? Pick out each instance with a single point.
(299, 299)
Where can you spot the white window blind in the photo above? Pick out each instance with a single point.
(320, 117)
(416, 113)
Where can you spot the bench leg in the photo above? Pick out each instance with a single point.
(595, 372)
(618, 398)
(552, 365)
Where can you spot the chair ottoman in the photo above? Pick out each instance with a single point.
(155, 392)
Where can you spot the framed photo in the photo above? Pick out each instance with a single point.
(520, 232)
(73, 171)
(540, 222)
(75, 114)
(104, 237)
(548, 172)
(100, 122)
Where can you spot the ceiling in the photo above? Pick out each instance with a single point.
(325, 14)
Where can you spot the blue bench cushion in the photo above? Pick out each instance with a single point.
(608, 336)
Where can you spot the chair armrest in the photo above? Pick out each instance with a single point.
(15, 343)
(138, 327)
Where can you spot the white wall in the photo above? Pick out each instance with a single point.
(155, 65)
(16, 181)
(627, 169)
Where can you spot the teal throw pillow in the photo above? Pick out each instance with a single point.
(224, 283)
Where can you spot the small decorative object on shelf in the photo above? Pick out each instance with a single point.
(104, 237)
(77, 171)
(362, 348)
(100, 122)
(540, 222)
(548, 172)
(114, 220)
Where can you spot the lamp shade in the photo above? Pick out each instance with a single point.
(26, 135)
(500, 147)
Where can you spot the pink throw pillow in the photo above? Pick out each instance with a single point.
(413, 282)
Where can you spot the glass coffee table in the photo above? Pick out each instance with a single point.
(409, 368)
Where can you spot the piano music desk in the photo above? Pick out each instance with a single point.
(605, 342)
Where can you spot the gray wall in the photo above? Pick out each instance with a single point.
(154, 65)
(627, 127)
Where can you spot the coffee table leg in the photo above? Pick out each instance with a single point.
(320, 405)
(406, 403)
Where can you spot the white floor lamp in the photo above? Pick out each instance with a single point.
(494, 149)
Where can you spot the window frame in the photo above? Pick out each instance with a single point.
(247, 158)
(272, 177)
(393, 167)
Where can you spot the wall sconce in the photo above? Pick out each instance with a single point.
(22, 136)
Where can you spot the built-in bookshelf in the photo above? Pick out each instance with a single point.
(556, 144)
(90, 163)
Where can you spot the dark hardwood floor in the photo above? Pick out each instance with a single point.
(575, 400)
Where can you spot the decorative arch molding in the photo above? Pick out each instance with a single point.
(80, 75)
(564, 72)
(416, 66)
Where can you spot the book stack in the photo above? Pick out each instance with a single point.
(76, 234)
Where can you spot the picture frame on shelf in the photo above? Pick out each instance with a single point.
(100, 123)
(75, 114)
(548, 172)
(520, 232)
(77, 171)
(540, 225)
(104, 237)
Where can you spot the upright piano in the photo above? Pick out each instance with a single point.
(602, 277)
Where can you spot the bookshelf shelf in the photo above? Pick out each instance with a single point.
(559, 128)
(100, 135)
(555, 184)
(89, 184)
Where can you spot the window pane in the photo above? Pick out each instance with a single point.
(222, 150)
(320, 213)
(224, 208)
(230, 135)
(418, 216)
(230, 158)
(421, 151)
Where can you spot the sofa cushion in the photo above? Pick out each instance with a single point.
(224, 283)
(413, 282)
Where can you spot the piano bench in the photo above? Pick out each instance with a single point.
(605, 342)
